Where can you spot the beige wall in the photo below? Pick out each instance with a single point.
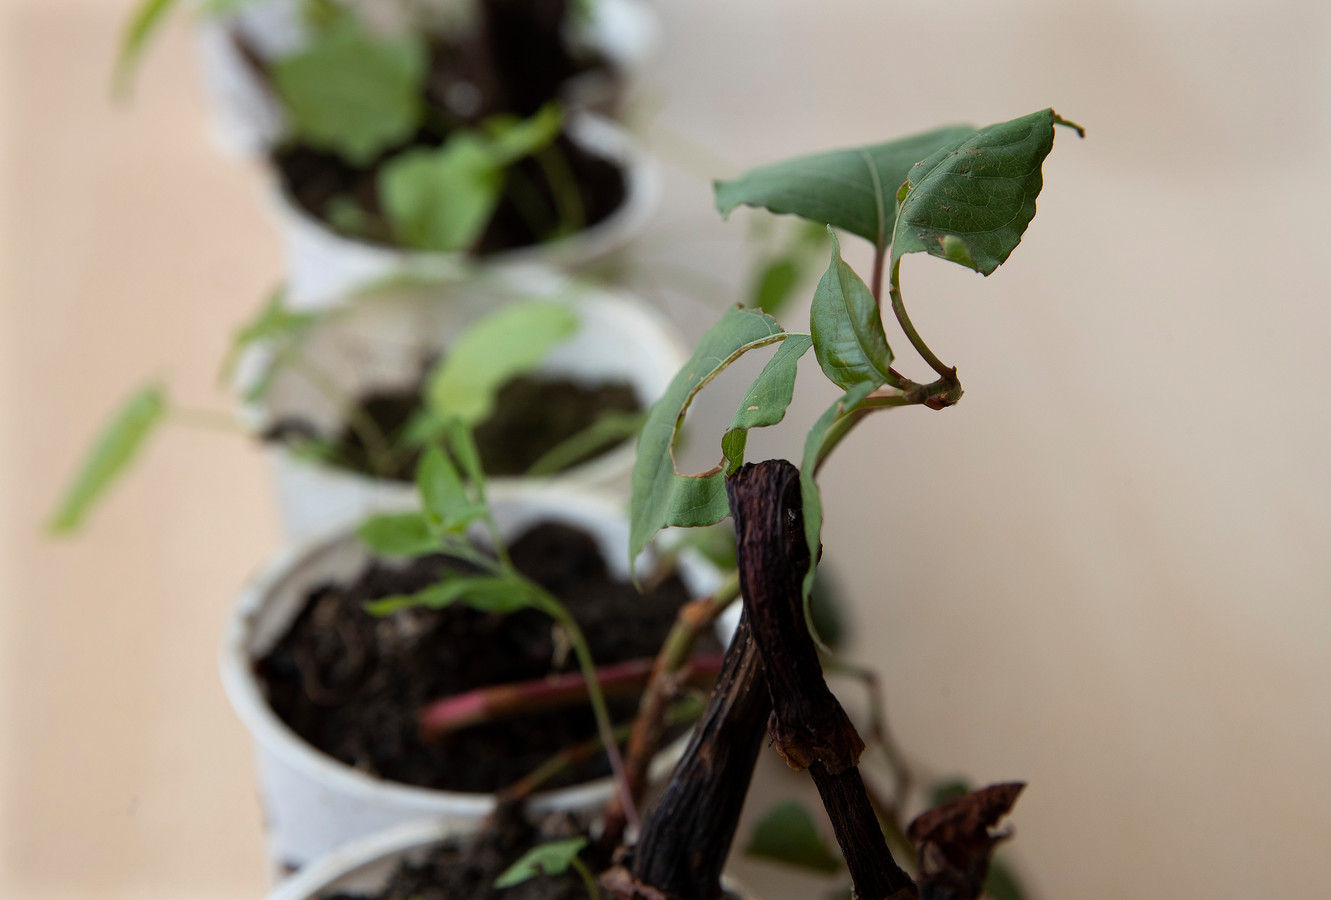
(1105, 572)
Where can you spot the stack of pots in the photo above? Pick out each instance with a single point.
(385, 313)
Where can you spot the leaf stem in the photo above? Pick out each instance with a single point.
(382, 458)
(593, 889)
(899, 308)
(563, 184)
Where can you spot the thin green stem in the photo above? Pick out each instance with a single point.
(382, 458)
(899, 308)
(529, 203)
(563, 184)
(593, 889)
(206, 419)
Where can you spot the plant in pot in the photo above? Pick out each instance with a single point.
(411, 145)
(962, 194)
(553, 375)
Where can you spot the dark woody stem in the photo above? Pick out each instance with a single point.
(808, 726)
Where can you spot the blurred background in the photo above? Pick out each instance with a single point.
(1106, 572)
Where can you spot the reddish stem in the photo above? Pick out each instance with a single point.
(500, 701)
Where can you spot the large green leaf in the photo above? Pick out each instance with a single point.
(787, 834)
(442, 199)
(853, 189)
(503, 344)
(848, 336)
(836, 414)
(766, 400)
(553, 858)
(353, 93)
(661, 496)
(971, 200)
(116, 446)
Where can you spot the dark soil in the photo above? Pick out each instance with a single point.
(351, 684)
(531, 417)
(467, 869)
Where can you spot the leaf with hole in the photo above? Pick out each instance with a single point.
(353, 93)
(116, 447)
(503, 344)
(661, 496)
(553, 858)
(787, 834)
(854, 189)
(970, 201)
(767, 399)
(848, 336)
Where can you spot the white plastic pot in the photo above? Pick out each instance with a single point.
(323, 267)
(249, 119)
(365, 866)
(385, 340)
(312, 803)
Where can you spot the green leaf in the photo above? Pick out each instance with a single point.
(443, 496)
(1002, 883)
(274, 323)
(853, 189)
(608, 429)
(848, 336)
(766, 400)
(144, 22)
(352, 93)
(837, 413)
(971, 200)
(661, 496)
(442, 199)
(787, 834)
(116, 447)
(512, 138)
(503, 344)
(775, 285)
(399, 534)
(553, 858)
(463, 445)
(486, 593)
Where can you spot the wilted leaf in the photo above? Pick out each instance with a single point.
(661, 496)
(848, 335)
(971, 200)
(353, 93)
(442, 199)
(503, 344)
(116, 447)
(767, 399)
(553, 858)
(853, 189)
(787, 834)
(955, 841)
(399, 534)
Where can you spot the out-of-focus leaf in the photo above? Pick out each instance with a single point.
(608, 429)
(503, 344)
(144, 22)
(787, 834)
(486, 593)
(1002, 883)
(767, 399)
(443, 495)
(116, 447)
(775, 285)
(512, 138)
(848, 335)
(273, 323)
(399, 534)
(353, 93)
(661, 496)
(553, 858)
(443, 198)
(853, 189)
(971, 200)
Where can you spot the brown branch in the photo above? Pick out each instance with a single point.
(687, 834)
(499, 701)
(808, 726)
(956, 841)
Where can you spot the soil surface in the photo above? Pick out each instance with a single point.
(467, 869)
(352, 684)
(531, 417)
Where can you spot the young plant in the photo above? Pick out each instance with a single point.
(961, 194)
(461, 387)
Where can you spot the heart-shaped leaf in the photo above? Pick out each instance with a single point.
(854, 189)
(848, 335)
(970, 201)
(661, 496)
